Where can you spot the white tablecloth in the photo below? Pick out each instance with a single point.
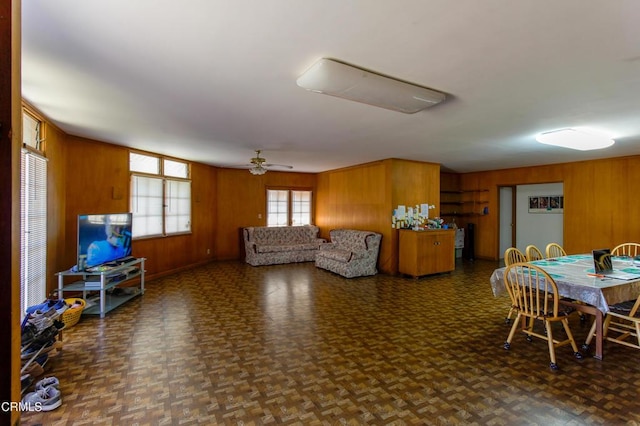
(570, 274)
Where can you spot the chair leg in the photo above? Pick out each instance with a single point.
(572, 341)
(519, 317)
(507, 320)
(552, 348)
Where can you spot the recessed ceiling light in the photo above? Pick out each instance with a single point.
(337, 78)
(575, 139)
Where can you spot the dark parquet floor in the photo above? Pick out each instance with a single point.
(228, 343)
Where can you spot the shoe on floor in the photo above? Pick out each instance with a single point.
(44, 306)
(38, 349)
(34, 369)
(46, 399)
(46, 382)
(29, 333)
(25, 381)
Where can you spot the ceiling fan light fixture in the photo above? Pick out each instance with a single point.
(575, 139)
(336, 78)
(257, 170)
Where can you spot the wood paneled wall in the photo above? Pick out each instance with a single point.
(242, 201)
(97, 180)
(357, 198)
(55, 151)
(364, 196)
(600, 199)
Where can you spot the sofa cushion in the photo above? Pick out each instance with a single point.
(285, 247)
(338, 254)
(283, 235)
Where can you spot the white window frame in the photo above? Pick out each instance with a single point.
(160, 195)
(284, 207)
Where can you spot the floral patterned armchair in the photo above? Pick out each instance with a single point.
(351, 253)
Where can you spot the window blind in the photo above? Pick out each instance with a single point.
(33, 230)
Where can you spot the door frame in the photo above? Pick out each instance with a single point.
(510, 211)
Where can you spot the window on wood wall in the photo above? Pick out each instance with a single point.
(160, 195)
(33, 215)
(288, 207)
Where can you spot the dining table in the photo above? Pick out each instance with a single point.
(591, 292)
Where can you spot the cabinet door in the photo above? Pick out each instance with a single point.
(445, 256)
(409, 253)
(428, 253)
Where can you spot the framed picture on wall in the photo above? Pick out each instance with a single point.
(546, 204)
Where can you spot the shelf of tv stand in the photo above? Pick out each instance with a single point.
(101, 281)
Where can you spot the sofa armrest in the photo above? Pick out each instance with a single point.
(249, 245)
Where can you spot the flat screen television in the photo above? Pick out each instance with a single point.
(103, 238)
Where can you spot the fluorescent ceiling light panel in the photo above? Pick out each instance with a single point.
(336, 78)
(574, 139)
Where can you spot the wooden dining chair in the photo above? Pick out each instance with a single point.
(533, 294)
(554, 250)
(626, 249)
(621, 325)
(533, 253)
(513, 255)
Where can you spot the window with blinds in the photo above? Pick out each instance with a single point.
(33, 230)
(160, 196)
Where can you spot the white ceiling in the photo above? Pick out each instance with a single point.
(212, 80)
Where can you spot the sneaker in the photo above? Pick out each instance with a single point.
(42, 359)
(44, 306)
(60, 307)
(46, 382)
(41, 322)
(25, 381)
(46, 399)
(37, 348)
(28, 335)
(34, 369)
(51, 314)
(46, 335)
(59, 325)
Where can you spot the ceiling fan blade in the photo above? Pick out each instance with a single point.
(284, 166)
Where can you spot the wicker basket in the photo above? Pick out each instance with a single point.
(71, 316)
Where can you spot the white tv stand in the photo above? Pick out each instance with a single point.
(101, 279)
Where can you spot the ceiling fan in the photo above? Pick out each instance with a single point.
(259, 166)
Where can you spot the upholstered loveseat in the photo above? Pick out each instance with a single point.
(351, 253)
(283, 244)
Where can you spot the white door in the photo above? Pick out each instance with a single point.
(506, 219)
